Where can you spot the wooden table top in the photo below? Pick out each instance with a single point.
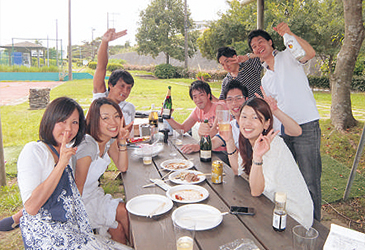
(157, 233)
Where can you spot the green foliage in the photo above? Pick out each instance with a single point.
(203, 75)
(113, 66)
(15, 68)
(162, 30)
(92, 65)
(322, 82)
(165, 71)
(119, 61)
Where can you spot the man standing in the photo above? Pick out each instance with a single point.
(245, 69)
(120, 81)
(286, 81)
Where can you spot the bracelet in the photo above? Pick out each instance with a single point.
(257, 163)
(248, 55)
(232, 152)
(122, 145)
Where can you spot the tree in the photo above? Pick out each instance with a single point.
(162, 30)
(341, 113)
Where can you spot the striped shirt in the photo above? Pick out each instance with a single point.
(249, 75)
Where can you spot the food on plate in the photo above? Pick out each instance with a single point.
(187, 176)
(187, 195)
(176, 165)
(138, 139)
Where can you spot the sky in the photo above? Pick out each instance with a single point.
(38, 19)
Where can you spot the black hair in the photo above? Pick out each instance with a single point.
(59, 110)
(202, 86)
(225, 51)
(234, 84)
(256, 33)
(120, 74)
(93, 116)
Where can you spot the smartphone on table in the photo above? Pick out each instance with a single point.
(242, 210)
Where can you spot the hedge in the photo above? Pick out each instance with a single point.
(322, 82)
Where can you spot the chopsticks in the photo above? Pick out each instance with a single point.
(151, 184)
(203, 217)
(156, 209)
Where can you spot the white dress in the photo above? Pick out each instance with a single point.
(62, 222)
(282, 174)
(100, 207)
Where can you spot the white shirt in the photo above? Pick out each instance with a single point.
(35, 164)
(289, 85)
(128, 109)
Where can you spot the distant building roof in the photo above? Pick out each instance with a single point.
(25, 44)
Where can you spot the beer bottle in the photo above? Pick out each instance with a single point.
(279, 214)
(167, 105)
(153, 117)
(205, 147)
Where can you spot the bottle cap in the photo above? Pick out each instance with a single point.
(280, 197)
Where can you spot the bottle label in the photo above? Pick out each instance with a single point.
(166, 112)
(205, 154)
(279, 221)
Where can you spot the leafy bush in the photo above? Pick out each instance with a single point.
(165, 71)
(148, 68)
(203, 75)
(322, 82)
(119, 61)
(15, 68)
(92, 65)
(113, 66)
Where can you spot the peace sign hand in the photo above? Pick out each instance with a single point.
(65, 153)
(124, 130)
(269, 99)
(262, 144)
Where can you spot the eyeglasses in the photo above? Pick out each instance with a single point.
(234, 99)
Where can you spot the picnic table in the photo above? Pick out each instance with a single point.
(157, 232)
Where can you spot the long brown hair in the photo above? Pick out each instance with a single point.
(93, 116)
(263, 112)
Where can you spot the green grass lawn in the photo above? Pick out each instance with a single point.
(20, 125)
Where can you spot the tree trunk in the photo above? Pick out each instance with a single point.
(167, 58)
(341, 113)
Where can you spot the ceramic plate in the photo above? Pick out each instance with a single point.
(176, 164)
(155, 150)
(144, 205)
(187, 193)
(205, 216)
(178, 177)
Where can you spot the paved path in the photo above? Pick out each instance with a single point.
(12, 93)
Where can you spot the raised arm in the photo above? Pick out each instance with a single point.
(283, 28)
(291, 127)
(100, 72)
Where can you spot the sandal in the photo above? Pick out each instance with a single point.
(8, 224)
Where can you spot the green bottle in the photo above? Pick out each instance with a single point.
(205, 147)
(167, 105)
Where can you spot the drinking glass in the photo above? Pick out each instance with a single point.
(178, 136)
(184, 235)
(223, 117)
(304, 239)
(147, 154)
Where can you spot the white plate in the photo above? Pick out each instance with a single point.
(205, 216)
(155, 150)
(188, 164)
(179, 181)
(199, 192)
(144, 205)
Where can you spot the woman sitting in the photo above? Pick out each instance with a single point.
(105, 137)
(268, 161)
(54, 216)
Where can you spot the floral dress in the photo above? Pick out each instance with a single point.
(62, 222)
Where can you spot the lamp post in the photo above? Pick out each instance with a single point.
(69, 43)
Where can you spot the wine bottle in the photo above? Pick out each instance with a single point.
(167, 105)
(153, 117)
(279, 214)
(205, 147)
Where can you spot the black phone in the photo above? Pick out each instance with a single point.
(242, 210)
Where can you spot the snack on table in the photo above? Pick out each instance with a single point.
(187, 176)
(188, 195)
(176, 165)
(138, 139)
